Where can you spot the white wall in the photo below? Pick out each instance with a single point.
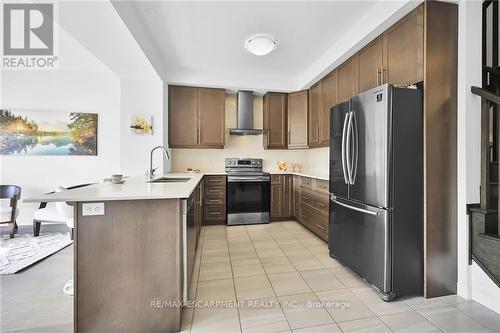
(65, 91)
(140, 98)
(212, 160)
(472, 283)
(83, 83)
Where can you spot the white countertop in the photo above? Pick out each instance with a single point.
(138, 188)
(302, 174)
(309, 174)
(134, 188)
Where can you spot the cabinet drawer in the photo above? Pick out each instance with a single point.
(276, 179)
(215, 181)
(306, 182)
(215, 200)
(314, 221)
(321, 186)
(321, 230)
(317, 200)
(215, 191)
(214, 213)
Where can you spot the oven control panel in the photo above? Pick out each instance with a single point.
(244, 163)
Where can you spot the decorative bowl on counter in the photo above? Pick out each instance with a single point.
(191, 170)
(282, 165)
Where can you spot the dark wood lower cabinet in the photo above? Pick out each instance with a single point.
(315, 220)
(281, 197)
(198, 198)
(303, 198)
(287, 196)
(214, 200)
(296, 197)
(314, 206)
(137, 248)
(277, 196)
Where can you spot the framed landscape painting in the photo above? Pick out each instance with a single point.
(47, 133)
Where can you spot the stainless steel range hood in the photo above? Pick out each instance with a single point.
(245, 115)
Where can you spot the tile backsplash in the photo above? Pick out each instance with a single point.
(212, 160)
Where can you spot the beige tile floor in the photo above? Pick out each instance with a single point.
(284, 281)
(262, 265)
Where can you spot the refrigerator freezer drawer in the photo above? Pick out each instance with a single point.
(360, 238)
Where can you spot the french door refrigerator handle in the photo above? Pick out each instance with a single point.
(354, 168)
(361, 210)
(344, 162)
(348, 148)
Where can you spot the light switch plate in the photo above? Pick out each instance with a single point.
(93, 209)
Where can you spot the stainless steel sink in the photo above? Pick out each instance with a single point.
(169, 180)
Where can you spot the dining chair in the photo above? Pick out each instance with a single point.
(61, 213)
(9, 214)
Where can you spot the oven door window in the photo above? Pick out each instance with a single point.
(247, 197)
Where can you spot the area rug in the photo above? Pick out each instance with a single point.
(24, 250)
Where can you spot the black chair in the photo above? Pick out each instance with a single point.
(37, 222)
(8, 217)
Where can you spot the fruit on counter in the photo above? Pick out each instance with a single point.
(282, 165)
(191, 170)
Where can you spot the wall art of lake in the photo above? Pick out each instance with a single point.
(60, 144)
(47, 133)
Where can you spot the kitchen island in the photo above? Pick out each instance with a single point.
(134, 252)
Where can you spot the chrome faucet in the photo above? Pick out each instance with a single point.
(151, 172)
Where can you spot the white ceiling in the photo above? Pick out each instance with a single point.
(202, 43)
(98, 27)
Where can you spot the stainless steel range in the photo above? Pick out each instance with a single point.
(248, 191)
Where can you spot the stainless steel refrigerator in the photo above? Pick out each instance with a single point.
(376, 188)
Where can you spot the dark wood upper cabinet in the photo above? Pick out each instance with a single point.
(315, 106)
(347, 79)
(404, 50)
(329, 99)
(297, 119)
(370, 62)
(212, 104)
(275, 120)
(183, 116)
(196, 117)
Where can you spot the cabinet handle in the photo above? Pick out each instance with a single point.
(378, 76)
(317, 133)
(288, 139)
(382, 78)
(214, 213)
(320, 226)
(213, 191)
(214, 181)
(212, 200)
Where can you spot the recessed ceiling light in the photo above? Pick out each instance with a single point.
(260, 44)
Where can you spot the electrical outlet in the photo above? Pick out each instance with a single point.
(92, 209)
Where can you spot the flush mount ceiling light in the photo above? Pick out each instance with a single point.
(260, 44)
